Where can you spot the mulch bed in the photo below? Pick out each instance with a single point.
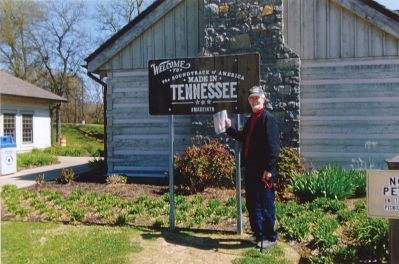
(132, 189)
(135, 187)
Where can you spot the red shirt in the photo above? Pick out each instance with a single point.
(254, 118)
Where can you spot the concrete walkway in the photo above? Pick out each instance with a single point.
(27, 177)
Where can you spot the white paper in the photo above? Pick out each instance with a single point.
(219, 121)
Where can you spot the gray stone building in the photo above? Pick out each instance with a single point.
(330, 67)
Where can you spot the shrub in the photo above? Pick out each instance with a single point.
(370, 237)
(289, 162)
(95, 151)
(359, 182)
(77, 214)
(323, 233)
(34, 159)
(330, 182)
(66, 151)
(327, 205)
(98, 165)
(295, 228)
(67, 176)
(116, 179)
(345, 254)
(293, 221)
(345, 215)
(76, 195)
(210, 165)
(39, 179)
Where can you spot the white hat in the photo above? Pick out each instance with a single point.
(256, 91)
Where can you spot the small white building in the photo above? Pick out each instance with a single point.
(25, 112)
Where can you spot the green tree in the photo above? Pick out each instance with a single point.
(44, 42)
(18, 20)
(61, 47)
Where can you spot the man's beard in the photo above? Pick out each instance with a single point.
(256, 107)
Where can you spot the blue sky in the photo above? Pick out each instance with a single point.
(391, 4)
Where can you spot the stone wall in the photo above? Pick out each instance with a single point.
(234, 26)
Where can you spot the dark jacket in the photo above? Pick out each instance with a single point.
(264, 146)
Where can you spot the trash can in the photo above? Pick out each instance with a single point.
(8, 156)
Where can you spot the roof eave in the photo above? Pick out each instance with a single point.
(61, 99)
(128, 33)
(384, 18)
(123, 30)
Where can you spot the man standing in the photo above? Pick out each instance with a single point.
(260, 150)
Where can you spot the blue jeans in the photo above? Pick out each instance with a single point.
(260, 205)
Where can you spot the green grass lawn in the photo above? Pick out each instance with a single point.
(34, 242)
(78, 134)
(82, 140)
(34, 159)
(29, 242)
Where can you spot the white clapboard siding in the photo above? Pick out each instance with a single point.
(173, 35)
(324, 29)
(350, 112)
(138, 143)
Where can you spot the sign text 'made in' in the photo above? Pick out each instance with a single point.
(204, 85)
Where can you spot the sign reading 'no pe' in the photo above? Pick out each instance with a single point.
(383, 193)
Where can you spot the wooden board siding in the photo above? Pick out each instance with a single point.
(174, 35)
(324, 29)
(138, 142)
(350, 112)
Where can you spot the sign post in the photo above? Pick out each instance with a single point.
(171, 175)
(238, 182)
(383, 201)
(204, 85)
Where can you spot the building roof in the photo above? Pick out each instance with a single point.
(13, 86)
(382, 11)
(123, 30)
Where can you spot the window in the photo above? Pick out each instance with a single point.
(9, 124)
(27, 128)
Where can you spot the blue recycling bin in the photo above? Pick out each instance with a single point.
(8, 155)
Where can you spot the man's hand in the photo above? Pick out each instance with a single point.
(267, 175)
(228, 122)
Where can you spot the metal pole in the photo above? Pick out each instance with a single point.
(238, 182)
(171, 176)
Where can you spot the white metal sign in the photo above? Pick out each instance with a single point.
(383, 193)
